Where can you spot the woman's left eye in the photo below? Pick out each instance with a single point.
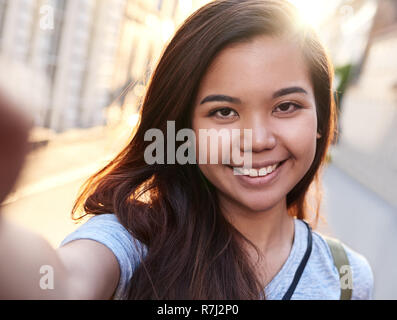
(288, 107)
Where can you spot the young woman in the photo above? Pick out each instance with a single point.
(201, 231)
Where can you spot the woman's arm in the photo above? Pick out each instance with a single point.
(29, 267)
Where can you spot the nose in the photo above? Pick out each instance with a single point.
(262, 135)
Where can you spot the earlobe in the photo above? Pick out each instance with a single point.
(318, 135)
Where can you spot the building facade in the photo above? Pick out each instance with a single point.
(86, 51)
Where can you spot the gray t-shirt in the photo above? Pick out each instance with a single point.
(319, 281)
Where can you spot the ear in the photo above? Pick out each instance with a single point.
(319, 135)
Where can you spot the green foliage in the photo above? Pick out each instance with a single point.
(342, 73)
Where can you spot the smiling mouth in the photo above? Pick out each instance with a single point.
(256, 172)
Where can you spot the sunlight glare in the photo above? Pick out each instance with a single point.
(133, 119)
(314, 12)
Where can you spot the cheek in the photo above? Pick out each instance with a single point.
(210, 151)
(213, 143)
(301, 138)
(215, 174)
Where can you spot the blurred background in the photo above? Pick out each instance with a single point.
(81, 67)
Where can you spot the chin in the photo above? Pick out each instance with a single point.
(259, 204)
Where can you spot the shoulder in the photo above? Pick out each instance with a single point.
(107, 230)
(362, 274)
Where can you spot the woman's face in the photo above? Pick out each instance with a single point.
(266, 88)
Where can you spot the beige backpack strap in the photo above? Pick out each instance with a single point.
(340, 262)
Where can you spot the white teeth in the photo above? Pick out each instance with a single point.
(254, 172)
(238, 171)
(272, 168)
(263, 172)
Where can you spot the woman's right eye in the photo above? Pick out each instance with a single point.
(223, 113)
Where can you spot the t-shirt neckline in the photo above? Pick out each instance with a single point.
(295, 253)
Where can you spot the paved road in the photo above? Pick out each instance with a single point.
(367, 224)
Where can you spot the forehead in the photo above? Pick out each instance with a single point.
(261, 66)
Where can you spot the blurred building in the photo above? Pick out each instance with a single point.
(347, 29)
(86, 50)
(367, 148)
(136, 56)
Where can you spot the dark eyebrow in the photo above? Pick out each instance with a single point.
(278, 93)
(285, 91)
(220, 97)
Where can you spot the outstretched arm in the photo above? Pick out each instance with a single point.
(29, 267)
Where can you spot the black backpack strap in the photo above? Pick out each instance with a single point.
(340, 262)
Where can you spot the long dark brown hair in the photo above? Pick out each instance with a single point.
(193, 252)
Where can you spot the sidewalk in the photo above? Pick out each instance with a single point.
(366, 223)
(66, 157)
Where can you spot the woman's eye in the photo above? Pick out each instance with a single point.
(223, 113)
(288, 107)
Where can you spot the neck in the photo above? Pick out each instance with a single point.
(270, 230)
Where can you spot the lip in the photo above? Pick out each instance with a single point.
(259, 181)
